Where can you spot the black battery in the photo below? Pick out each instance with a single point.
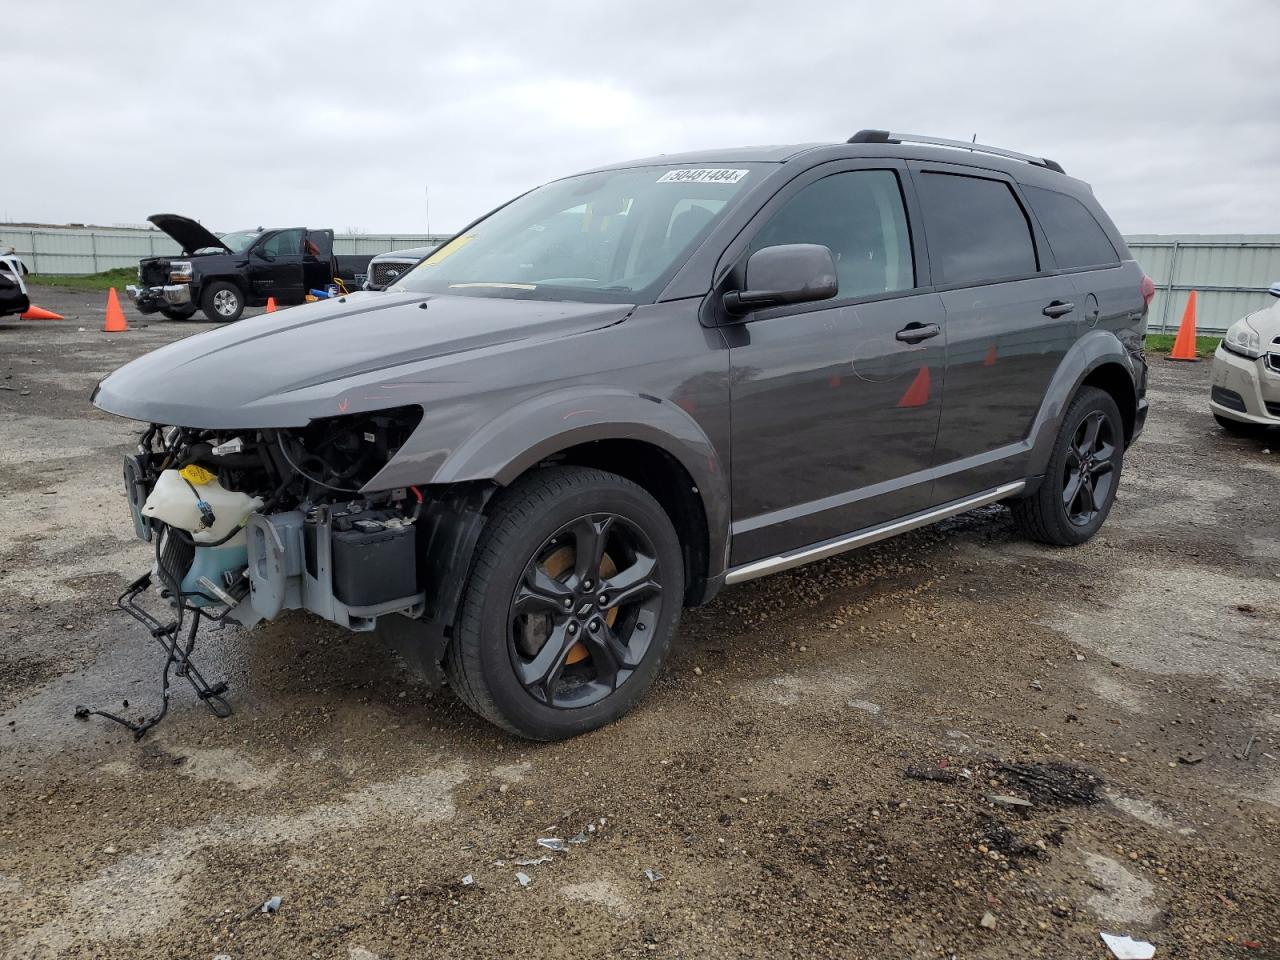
(372, 562)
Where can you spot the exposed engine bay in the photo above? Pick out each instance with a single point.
(258, 522)
(248, 524)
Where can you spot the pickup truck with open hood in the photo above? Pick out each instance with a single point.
(222, 275)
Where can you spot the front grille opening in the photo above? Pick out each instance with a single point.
(382, 274)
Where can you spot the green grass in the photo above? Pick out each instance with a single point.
(91, 281)
(1163, 343)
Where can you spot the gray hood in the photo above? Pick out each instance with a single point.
(365, 351)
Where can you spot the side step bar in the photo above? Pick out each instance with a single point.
(851, 541)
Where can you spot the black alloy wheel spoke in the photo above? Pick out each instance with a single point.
(1088, 504)
(591, 534)
(1092, 424)
(541, 675)
(631, 583)
(609, 654)
(540, 590)
(1075, 481)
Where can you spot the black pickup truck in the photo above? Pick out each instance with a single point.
(223, 275)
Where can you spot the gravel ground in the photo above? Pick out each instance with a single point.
(811, 776)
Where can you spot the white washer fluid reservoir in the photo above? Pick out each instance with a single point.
(173, 500)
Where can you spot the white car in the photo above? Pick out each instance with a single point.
(13, 292)
(1245, 397)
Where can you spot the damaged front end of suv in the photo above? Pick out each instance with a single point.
(248, 524)
(285, 465)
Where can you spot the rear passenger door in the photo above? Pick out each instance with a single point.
(1010, 319)
(1105, 296)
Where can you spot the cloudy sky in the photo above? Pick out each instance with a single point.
(343, 113)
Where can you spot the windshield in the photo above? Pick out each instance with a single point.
(239, 241)
(615, 236)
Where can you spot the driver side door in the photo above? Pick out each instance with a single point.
(836, 403)
(276, 266)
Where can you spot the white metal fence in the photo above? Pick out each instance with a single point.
(81, 250)
(1230, 272)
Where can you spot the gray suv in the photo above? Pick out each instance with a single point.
(623, 390)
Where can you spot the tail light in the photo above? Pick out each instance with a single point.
(1148, 288)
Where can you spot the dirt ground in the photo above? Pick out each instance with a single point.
(812, 775)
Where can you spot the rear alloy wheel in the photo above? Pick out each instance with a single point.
(1079, 487)
(222, 302)
(571, 605)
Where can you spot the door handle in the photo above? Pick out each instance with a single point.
(1058, 309)
(916, 332)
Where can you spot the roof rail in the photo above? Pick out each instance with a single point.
(884, 136)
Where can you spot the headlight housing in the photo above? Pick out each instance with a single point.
(1244, 340)
(179, 271)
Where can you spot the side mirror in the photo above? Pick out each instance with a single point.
(1275, 289)
(785, 274)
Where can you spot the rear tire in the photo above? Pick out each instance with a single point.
(1080, 484)
(591, 665)
(222, 302)
(1238, 428)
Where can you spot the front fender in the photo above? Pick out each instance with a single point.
(522, 436)
(1092, 351)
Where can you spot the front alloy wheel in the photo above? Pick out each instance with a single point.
(573, 599)
(584, 611)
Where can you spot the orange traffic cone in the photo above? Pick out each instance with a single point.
(1184, 348)
(271, 304)
(115, 316)
(990, 359)
(40, 313)
(917, 394)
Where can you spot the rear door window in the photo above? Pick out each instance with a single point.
(860, 217)
(976, 229)
(1075, 237)
(286, 243)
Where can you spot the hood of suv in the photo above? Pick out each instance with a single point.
(361, 352)
(189, 234)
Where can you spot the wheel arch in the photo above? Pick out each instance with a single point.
(1097, 359)
(650, 441)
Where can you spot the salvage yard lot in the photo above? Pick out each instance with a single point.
(811, 775)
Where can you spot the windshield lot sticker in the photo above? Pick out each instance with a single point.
(703, 175)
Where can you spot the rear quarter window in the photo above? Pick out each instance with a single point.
(976, 229)
(1074, 234)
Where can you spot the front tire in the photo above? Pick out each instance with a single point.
(178, 313)
(1079, 487)
(222, 302)
(574, 596)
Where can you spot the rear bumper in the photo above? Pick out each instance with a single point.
(1245, 390)
(151, 299)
